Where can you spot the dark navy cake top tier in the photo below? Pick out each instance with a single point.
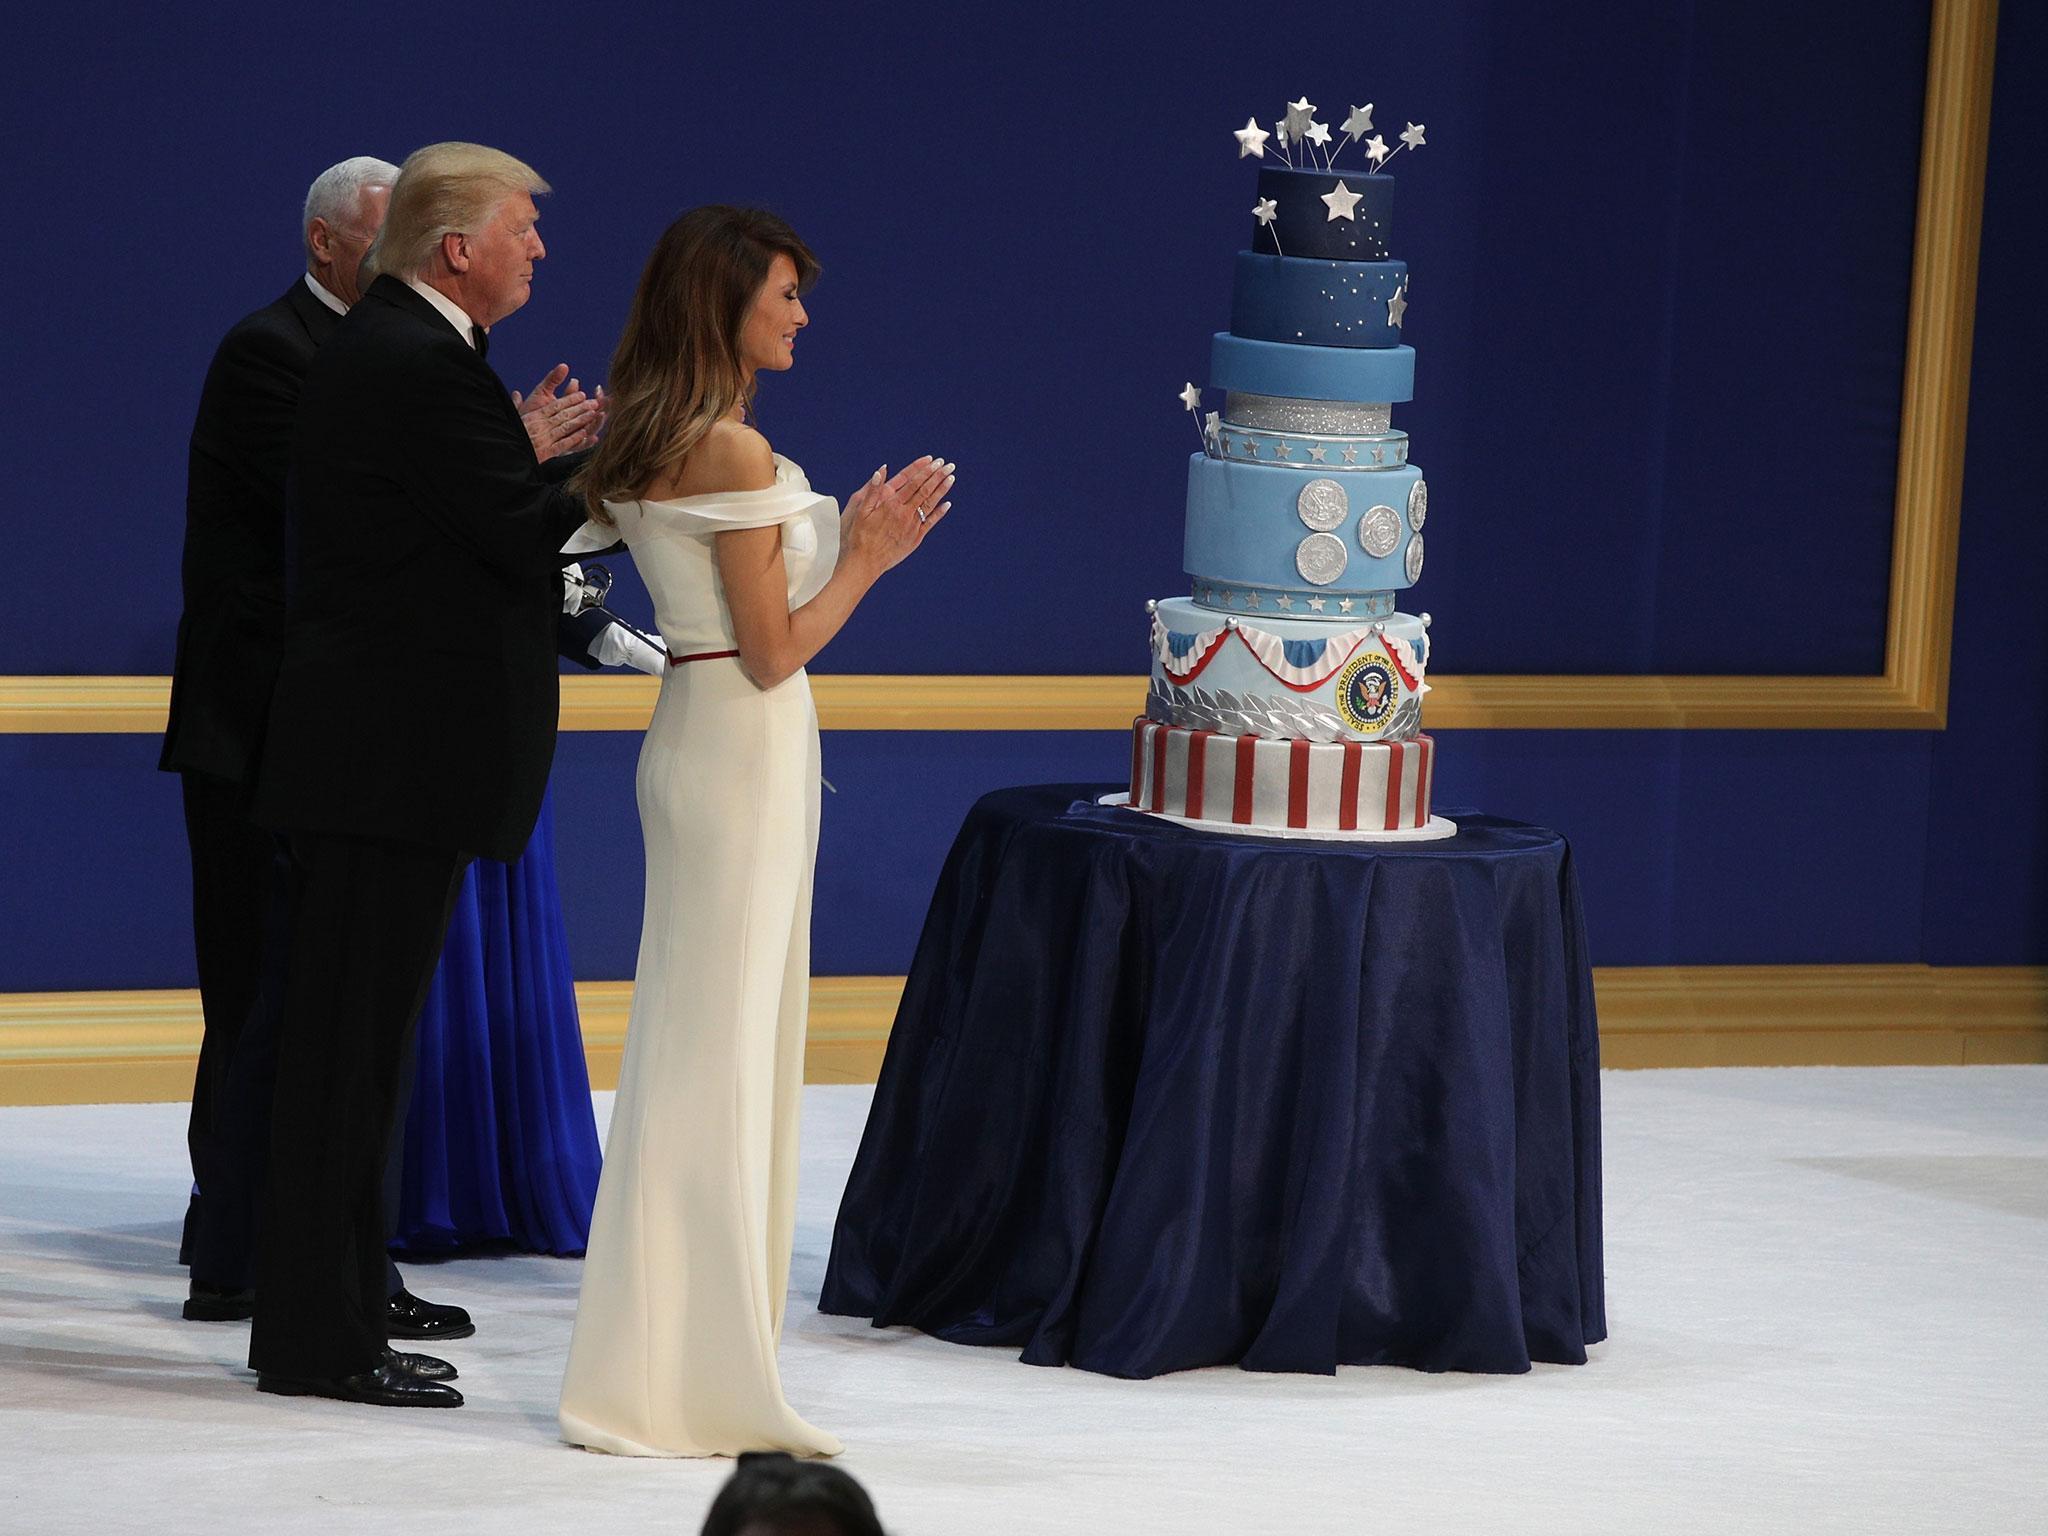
(1340, 215)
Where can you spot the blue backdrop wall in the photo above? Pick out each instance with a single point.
(1661, 260)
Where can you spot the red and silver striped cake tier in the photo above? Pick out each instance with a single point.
(1270, 781)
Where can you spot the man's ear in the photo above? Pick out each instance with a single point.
(455, 251)
(320, 240)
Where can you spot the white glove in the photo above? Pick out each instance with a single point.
(618, 646)
(572, 591)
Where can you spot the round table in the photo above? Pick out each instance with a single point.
(1159, 1098)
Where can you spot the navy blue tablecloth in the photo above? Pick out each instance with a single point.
(1159, 1098)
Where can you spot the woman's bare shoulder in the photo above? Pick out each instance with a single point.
(731, 457)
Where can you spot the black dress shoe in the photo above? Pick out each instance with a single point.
(389, 1386)
(217, 1304)
(407, 1317)
(426, 1367)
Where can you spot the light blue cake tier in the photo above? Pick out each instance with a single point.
(1340, 455)
(1303, 372)
(1320, 303)
(1279, 528)
(1361, 679)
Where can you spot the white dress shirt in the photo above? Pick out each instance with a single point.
(451, 311)
(324, 296)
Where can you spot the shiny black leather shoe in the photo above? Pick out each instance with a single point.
(389, 1386)
(217, 1304)
(407, 1317)
(426, 1367)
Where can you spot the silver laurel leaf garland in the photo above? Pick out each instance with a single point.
(1229, 715)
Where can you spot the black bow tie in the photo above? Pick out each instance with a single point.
(482, 340)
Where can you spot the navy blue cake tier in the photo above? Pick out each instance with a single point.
(1323, 303)
(1354, 224)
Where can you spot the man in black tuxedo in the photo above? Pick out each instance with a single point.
(229, 641)
(393, 756)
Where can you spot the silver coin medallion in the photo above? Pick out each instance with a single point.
(1322, 504)
(1379, 531)
(1414, 559)
(1321, 558)
(1418, 505)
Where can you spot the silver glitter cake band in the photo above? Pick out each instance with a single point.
(1282, 413)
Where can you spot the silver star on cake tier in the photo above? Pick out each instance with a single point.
(1359, 123)
(1318, 452)
(1315, 604)
(1397, 306)
(1379, 531)
(1321, 558)
(1322, 505)
(1418, 505)
(1414, 560)
(1342, 203)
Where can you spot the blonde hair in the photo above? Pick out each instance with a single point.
(677, 369)
(444, 189)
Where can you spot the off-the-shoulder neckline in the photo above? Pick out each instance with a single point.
(777, 489)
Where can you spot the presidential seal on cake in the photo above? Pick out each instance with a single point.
(1287, 689)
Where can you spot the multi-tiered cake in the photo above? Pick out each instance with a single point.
(1287, 690)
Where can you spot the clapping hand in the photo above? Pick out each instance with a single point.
(888, 518)
(560, 422)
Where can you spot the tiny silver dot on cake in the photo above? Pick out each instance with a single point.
(1321, 558)
(1322, 505)
(1418, 505)
(1414, 560)
(1379, 531)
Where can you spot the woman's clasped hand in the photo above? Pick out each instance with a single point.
(887, 518)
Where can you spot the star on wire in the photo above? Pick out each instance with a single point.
(1266, 210)
(1191, 397)
(1412, 136)
(1359, 123)
(1318, 134)
(1299, 115)
(1376, 149)
(1251, 140)
(1342, 203)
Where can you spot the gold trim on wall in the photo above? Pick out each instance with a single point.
(1911, 693)
(139, 1047)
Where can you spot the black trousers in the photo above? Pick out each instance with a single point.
(369, 917)
(242, 893)
(238, 917)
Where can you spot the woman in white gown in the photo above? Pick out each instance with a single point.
(674, 1352)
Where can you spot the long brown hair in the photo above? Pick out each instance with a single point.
(677, 368)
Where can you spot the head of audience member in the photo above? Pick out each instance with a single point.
(717, 302)
(461, 220)
(344, 209)
(773, 1494)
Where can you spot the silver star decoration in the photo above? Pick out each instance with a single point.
(1342, 203)
(1318, 134)
(1315, 605)
(1282, 451)
(1280, 131)
(1299, 115)
(1251, 599)
(1397, 306)
(1376, 149)
(1344, 606)
(1251, 448)
(1318, 452)
(1211, 422)
(1351, 453)
(1229, 598)
(1379, 454)
(1359, 123)
(1412, 136)
(1265, 210)
(1284, 603)
(1251, 140)
(1191, 397)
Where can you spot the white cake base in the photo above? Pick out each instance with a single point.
(1439, 827)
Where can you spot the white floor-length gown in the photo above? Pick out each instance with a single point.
(674, 1352)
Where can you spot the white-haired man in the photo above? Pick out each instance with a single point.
(385, 776)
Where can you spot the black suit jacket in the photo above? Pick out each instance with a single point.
(232, 630)
(413, 486)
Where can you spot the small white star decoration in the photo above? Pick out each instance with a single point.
(1251, 140)
(1397, 306)
(1342, 203)
(1191, 397)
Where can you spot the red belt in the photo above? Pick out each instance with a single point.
(677, 661)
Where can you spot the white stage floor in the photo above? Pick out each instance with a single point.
(1827, 1290)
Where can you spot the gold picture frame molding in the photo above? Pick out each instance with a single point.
(1911, 693)
(141, 1047)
